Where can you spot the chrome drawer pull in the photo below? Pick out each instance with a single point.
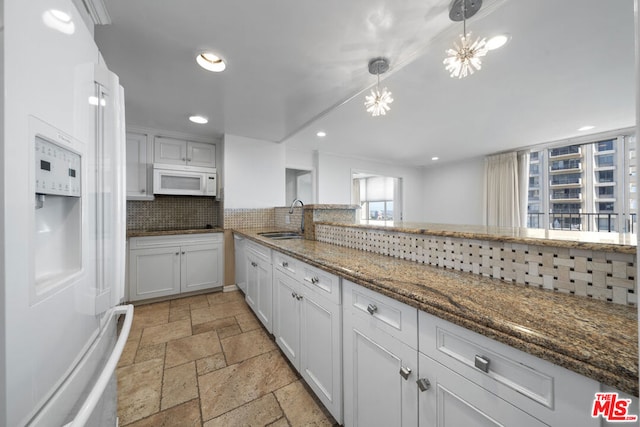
(482, 363)
(405, 372)
(254, 264)
(423, 384)
(372, 308)
(285, 264)
(298, 297)
(314, 280)
(293, 295)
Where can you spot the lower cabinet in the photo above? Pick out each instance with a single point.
(380, 371)
(259, 279)
(168, 265)
(307, 327)
(448, 399)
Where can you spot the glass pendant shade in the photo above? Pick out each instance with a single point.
(464, 59)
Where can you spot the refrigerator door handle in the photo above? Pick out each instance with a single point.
(98, 389)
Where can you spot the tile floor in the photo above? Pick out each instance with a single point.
(206, 361)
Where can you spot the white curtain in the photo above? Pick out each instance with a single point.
(506, 189)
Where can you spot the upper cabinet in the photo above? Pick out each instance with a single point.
(180, 152)
(139, 167)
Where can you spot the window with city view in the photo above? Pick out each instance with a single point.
(376, 196)
(589, 187)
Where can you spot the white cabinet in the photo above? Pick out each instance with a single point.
(508, 384)
(259, 282)
(307, 324)
(139, 167)
(180, 152)
(380, 370)
(451, 400)
(168, 265)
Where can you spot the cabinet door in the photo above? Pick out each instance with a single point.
(375, 392)
(321, 350)
(265, 294)
(201, 154)
(286, 316)
(138, 167)
(251, 276)
(452, 400)
(201, 267)
(154, 273)
(240, 263)
(169, 151)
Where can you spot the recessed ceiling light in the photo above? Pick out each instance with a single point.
(434, 158)
(199, 119)
(211, 61)
(321, 134)
(583, 128)
(497, 42)
(59, 20)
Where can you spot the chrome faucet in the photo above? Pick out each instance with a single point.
(291, 211)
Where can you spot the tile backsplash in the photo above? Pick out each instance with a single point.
(172, 213)
(603, 275)
(249, 218)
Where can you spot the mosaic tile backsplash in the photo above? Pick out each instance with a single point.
(249, 218)
(608, 276)
(172, 213)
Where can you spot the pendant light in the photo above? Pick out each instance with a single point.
(464, 59)
(378, 102)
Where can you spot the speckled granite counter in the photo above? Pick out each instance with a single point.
(593, 338)
(145, 233)
(612, 242)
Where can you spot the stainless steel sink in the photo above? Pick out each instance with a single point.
(281, 235)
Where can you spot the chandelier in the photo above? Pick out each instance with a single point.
(464, 59)
(378, 102)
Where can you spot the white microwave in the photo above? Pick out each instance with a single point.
(184, 181)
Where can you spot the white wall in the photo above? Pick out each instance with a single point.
(453, 192)
(254, 173)
(334, 181)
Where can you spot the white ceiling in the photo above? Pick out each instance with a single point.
(295, 67)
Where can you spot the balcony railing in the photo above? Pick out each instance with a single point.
(580, 221)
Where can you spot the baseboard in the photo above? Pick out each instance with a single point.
(229, 288)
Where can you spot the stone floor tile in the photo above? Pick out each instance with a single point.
(180, 312)
(185, 415)
(150, 315)
(149, 352)
(210, 364)
(248, 322)
(167, 332)
(282, 422)
(231, 387)
(213, 325)
(220, 311)
(244, 346)
(197, 300)
(139, 387)
(257, 413)
(224, 297)
(299, 406)
(130, 349)
(191, 348)
(179, 385)
(229, 331)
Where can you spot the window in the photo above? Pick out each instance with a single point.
(377, 196)
(588, 186)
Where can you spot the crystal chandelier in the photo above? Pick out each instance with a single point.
(378, 102)
(464, 59)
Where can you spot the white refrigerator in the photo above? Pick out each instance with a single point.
(63, 221)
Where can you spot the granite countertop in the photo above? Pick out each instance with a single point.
(589, 240)
(593, 338)
(146, 233)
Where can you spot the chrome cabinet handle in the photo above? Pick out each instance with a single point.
(372, 308)
(298, 297)
(405, 372)
(188, 160)
(423, 384)
(143, 191)
(183, 253)
(177, 253)
(285, 264)
(293, 294)
(253, 264)
(314, 280)
(482, 363)
(184, 159)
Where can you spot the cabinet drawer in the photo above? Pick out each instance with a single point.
(286, 264)
(259, 251)
(532, 384)
(391, 316)
(174, 240)
(321, 282)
